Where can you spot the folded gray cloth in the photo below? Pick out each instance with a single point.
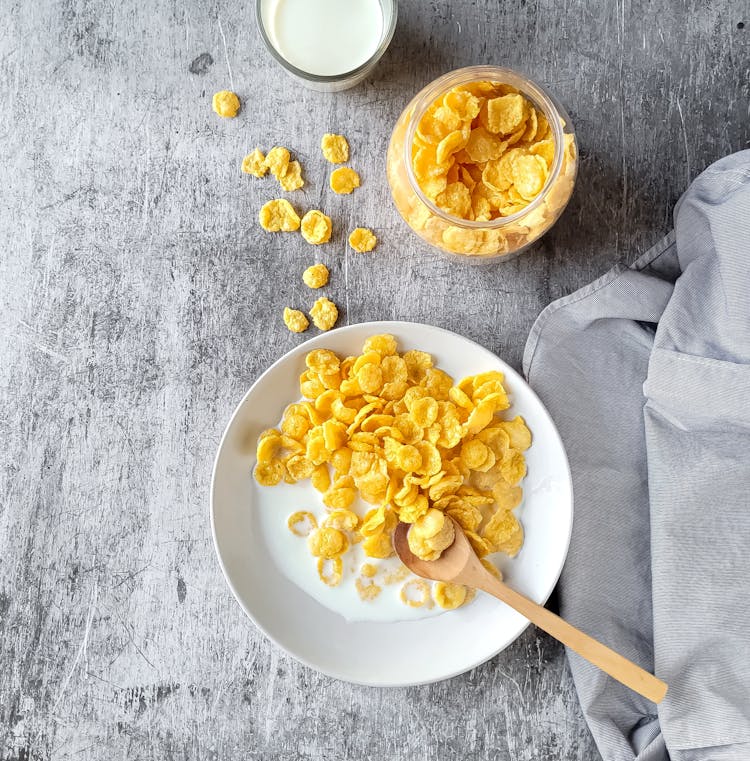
(647, 373)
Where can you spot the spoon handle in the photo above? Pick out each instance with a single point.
(614, 664)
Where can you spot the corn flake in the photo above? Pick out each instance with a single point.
(302, 523)
(255, 163)
(324, 314)
(295, 320)
(315, 276)
(292, 178)
(316, 227)
(226, 104)
(335, 148)
(344, 180)
(361, 239)
(279, 216)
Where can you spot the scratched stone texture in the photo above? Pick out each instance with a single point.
(139, 300)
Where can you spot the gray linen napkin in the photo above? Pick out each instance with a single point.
(647, 373)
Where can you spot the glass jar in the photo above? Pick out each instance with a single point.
(264, 14)
(501, 238)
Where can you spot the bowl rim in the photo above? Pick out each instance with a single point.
(380, 326)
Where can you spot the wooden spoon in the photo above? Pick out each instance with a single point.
(459, 564)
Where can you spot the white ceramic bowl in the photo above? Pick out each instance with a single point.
(386, 654)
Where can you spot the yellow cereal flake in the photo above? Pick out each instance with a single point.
(315, 276)
(226, 104)
(277, 161)
(449, 596)
(302, 523)
(344, 180)
(292, 178)
(295, 320)
(255, 163)
(327, 542)
(361, 239)
(395, 431)
(278, 216)
(316, 227)
(324, 314)
(335, 148)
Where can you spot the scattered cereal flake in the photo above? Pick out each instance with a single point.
(324, 313)
(278, 216)
(335, 148)
(344, 180)
(295, 320)
(226, 104)
(292, 179)
(277, 161)
(449, 596)
(255, 163)
(315, 276)
(302, 523)
(362, 239)
(316, 227)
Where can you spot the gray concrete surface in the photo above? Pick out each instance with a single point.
(139, 300)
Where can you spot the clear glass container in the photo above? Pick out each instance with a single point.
(501, 238)
(336, 82)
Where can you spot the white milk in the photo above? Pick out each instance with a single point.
(275, 504)
(324, 37)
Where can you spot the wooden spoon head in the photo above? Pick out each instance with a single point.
(457, 564)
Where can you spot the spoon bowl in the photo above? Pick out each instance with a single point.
(459, 564)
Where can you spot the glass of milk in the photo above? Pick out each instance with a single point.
(328, 45)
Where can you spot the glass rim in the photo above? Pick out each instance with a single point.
(385, 41)
(527, 86)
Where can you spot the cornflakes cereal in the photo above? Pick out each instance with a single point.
(449, 596)
(278, 216)
(302, 523)
(295, 320)
(255, 163)
(277, 161)
(335, 148)
(316, 227)
(344, 180)
(481, 156)
(324, 314)
(226, 104)
(396, 432)
(292, 178)
(327, 542)
(315, 276)
(362, 240)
